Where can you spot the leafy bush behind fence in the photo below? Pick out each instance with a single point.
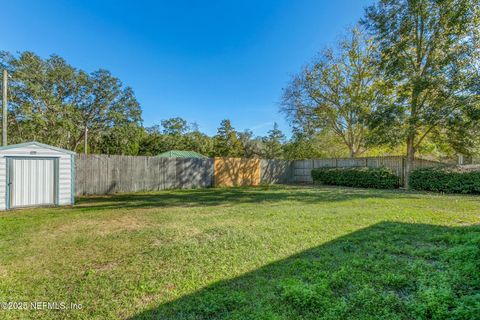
(448, 180)
(380, 178)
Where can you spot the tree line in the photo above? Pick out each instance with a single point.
(405, 80)
(407, 75)
(178, 134)
(52, 102)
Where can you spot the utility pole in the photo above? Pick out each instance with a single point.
(86, 139)
(5, 107)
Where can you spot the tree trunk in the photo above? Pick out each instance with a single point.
(353, 153)
(410, 159)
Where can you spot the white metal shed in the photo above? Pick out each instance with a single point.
(35, 174)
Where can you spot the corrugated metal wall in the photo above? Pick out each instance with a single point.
(64, 170)
(32, 182)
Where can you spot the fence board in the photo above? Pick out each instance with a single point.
(237, 172)
(105, 174)
(276, 171)
(302, 168)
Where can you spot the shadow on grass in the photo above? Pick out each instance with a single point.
(386, 271)
(232, 196)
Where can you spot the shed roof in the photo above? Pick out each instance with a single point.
(38, 144)
(181, 154)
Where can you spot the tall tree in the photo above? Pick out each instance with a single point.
(273, 143)
(323, 144)
(174, 131)
(175, 134)
(43, 97)
(199, 142)
(337, 92)
(53, 102)
(111, 111)
(429, 52)
(226, 141)
(175, 126)
(251, 146)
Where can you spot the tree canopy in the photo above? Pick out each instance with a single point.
(337, 92)
(429, 52)
(406, 80)
(53, 102)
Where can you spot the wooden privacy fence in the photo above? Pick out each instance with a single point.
(104, 174)
(302, 168)
(233, 172)
(276, 171)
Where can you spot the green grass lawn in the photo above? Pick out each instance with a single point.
(247, 253)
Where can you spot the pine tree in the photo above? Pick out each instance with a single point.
(226, 143)
(273, 143)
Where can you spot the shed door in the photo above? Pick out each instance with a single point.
(32, 182)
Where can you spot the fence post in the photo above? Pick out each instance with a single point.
(313, 167)
(402, 175)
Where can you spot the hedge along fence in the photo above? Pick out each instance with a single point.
(447, 179)
(361, 177)
(302, 168)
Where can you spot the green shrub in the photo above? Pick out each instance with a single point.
(362, 177)
(446, 179)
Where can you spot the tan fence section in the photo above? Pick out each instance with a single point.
(232, 172)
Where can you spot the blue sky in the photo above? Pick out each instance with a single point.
(202, 60)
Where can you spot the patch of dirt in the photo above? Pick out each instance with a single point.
(3, 271)
(98, 227)
(120, 224)
(172, 233)
(149, 298)
(169, 287)
(105, 267)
